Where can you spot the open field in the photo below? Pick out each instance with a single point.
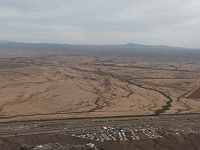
(72, 85)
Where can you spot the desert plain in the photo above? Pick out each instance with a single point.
(49, 85)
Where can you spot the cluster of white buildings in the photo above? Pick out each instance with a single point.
(118, 133)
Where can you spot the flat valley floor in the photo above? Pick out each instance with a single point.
(51, 86)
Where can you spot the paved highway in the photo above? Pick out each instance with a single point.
(36, 127)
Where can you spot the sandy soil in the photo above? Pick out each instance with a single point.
(65, 86)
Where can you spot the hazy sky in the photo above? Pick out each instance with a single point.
(155, 22)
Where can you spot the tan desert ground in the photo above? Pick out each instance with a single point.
(73, 85)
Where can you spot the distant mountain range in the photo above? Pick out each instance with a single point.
(129, 45)
(126, 49)
(5, 41)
